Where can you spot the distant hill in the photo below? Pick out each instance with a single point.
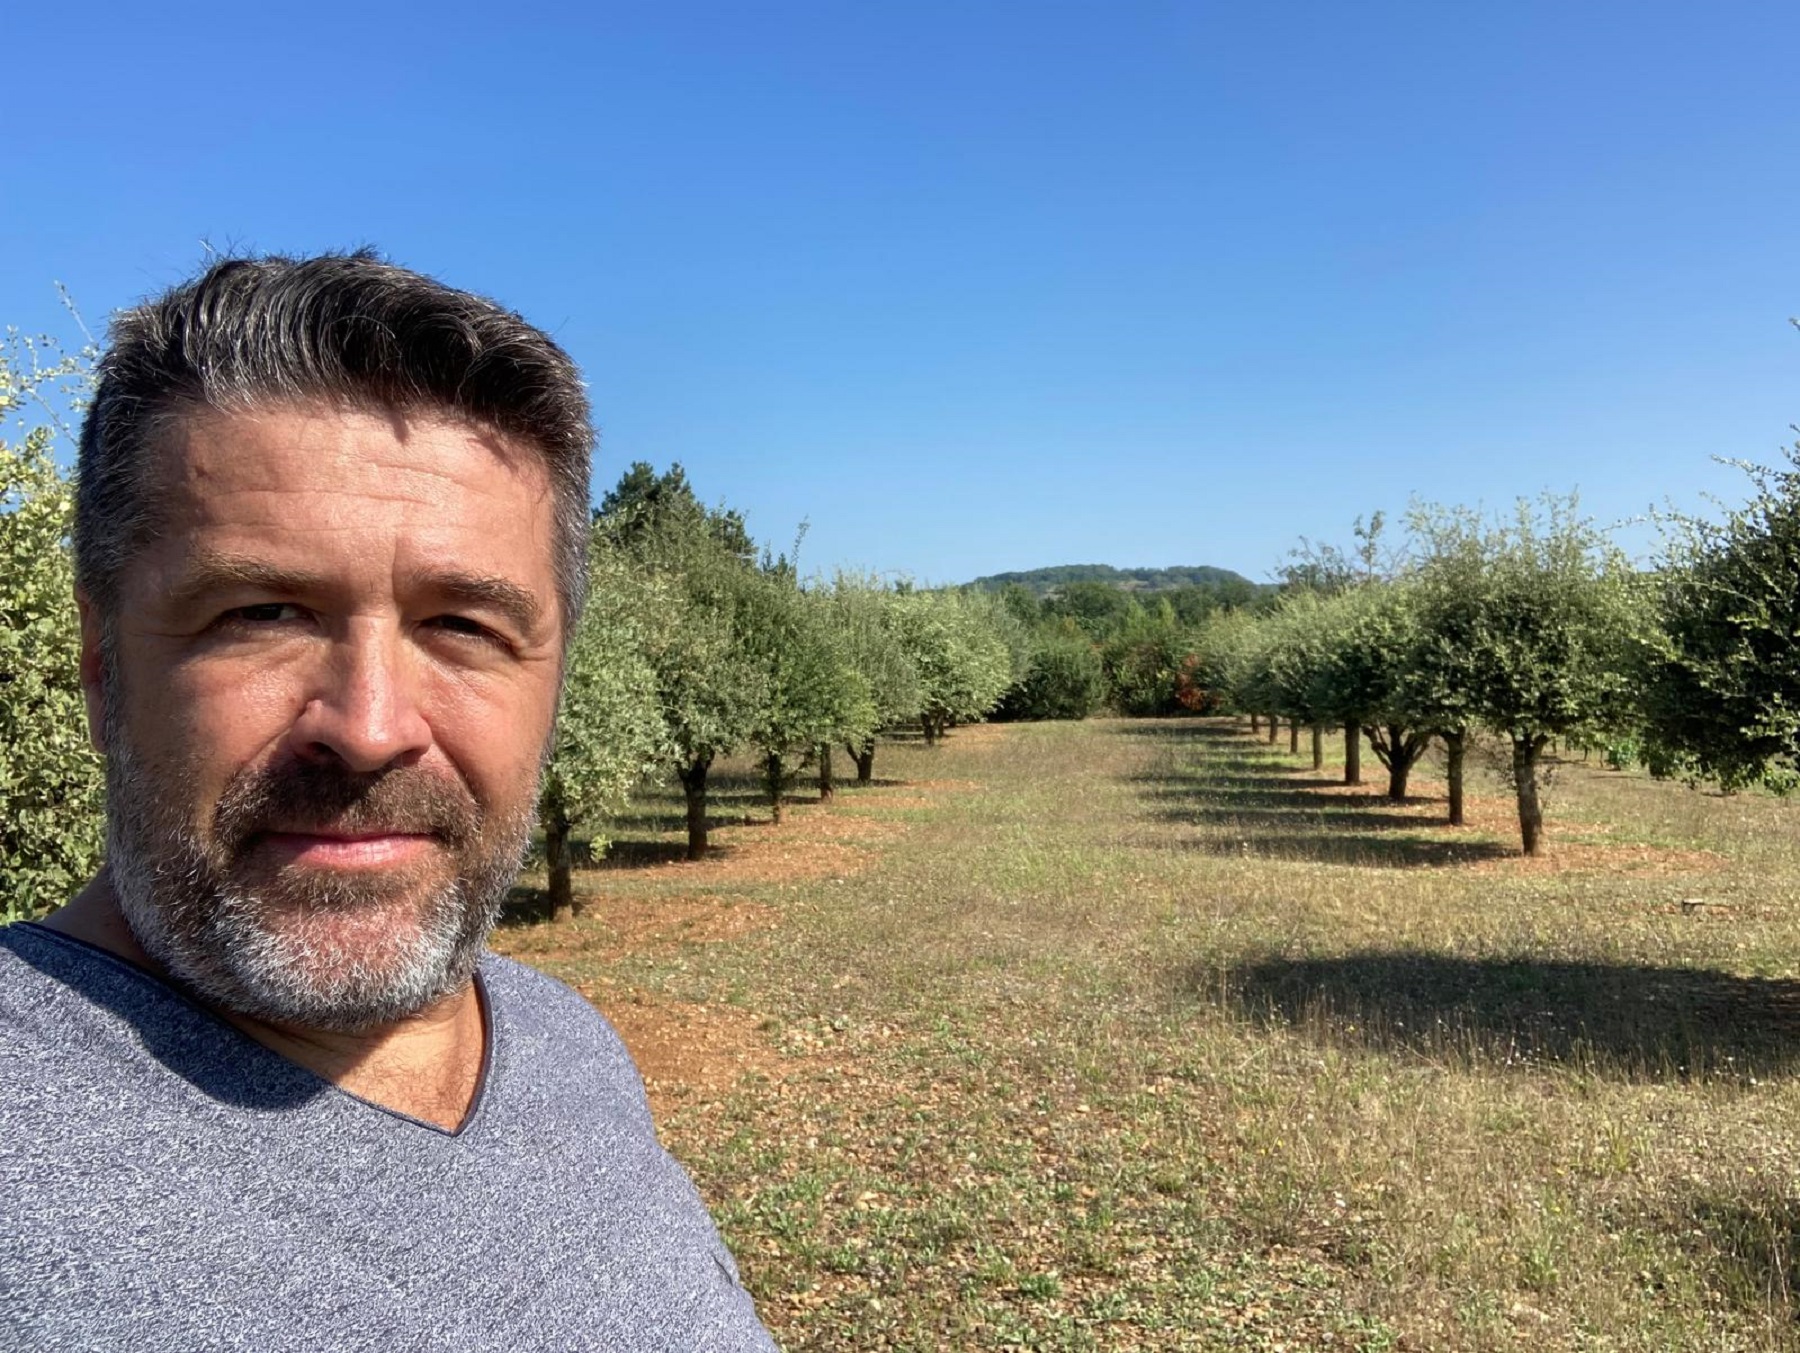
(1043, 581)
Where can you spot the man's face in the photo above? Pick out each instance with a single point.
(326, 698)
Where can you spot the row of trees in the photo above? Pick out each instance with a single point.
(696, 645)
(1538, 630)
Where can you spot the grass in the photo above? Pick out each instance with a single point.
(1136, 1034)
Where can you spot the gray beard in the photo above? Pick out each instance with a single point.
(263, 947)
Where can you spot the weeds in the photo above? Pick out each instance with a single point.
(1139, 1035)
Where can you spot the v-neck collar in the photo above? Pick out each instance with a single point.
(164, 987)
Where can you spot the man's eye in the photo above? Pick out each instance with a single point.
(461, 624)
(265, 613)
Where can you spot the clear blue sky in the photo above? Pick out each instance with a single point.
(979, 286)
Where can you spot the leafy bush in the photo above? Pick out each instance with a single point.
(1064, 681)
(50, 777)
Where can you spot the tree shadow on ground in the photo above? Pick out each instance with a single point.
(647, 854)
(1177, 728)
(1244, 805)
(1332, 841)
(1209, 786)
(1305, 798)
(1753, 1239)
(1616, 1019)
(1250, 816)
(525, 905)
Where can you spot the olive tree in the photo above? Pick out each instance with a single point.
(1440, 676)
(1368, 636)
(709, 685)
(1721, 698)
(964, 662)
(1546, 616)
(610, 730)
(1284, 667)
(50, 776)
(812, 694)
(860, 612)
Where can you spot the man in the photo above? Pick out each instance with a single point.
(261, 1085)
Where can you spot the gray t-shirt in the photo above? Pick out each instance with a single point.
(168, 1183)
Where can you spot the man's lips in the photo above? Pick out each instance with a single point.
(347, 850)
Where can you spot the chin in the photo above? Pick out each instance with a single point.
(342, 958)
(350, 968)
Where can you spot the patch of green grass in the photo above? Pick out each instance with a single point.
(1157, 1040)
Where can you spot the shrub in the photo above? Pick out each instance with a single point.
(1064, 681)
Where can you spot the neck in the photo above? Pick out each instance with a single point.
(426, 1066)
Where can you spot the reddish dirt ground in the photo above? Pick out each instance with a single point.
(690, 1053)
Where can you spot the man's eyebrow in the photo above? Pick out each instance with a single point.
(212, 571)
(518, 604)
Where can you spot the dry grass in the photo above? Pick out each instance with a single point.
(1136, 1035)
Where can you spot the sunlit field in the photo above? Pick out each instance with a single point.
(1141, 1034)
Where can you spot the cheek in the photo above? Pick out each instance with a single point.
(208, 719)
(494, 734)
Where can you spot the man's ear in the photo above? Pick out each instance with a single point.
(93, 687)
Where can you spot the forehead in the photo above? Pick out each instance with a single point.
(348, 484)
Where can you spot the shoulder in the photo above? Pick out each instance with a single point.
(45, 978)
(540, 1002)
(547, 1024)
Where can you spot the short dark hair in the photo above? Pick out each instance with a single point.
(347, 329)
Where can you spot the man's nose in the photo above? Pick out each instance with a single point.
(363, 708)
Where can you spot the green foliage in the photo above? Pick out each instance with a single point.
(610, 730)
(1545, 613)
(1098, 608)
(1365, 639)
(1144, 661)
(1722, 689)
(860, 612)
(645, 504)
(709, 692)
(1281, 664)
(1213, 676)
(1442, 670)
(1043, 581)
(812, 694)
(964, 662)
(50, 777)
(1064, 680)
(1023, 603)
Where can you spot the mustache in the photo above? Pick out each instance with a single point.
(314, 796)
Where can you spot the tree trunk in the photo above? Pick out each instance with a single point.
(1255, 723)
(556, 859)
(1318, 741)
(1398, 749)
(865, 761)
(1398, 771)
(1526, 752)
(1293, 737)
(1274, 729)
(929, 726)
(826, 788)
(774, 779)
(693, 785)
(1455, 744)
(1352, 753)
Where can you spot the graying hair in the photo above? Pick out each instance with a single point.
(350, 330)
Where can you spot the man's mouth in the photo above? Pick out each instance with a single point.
(324, 849)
